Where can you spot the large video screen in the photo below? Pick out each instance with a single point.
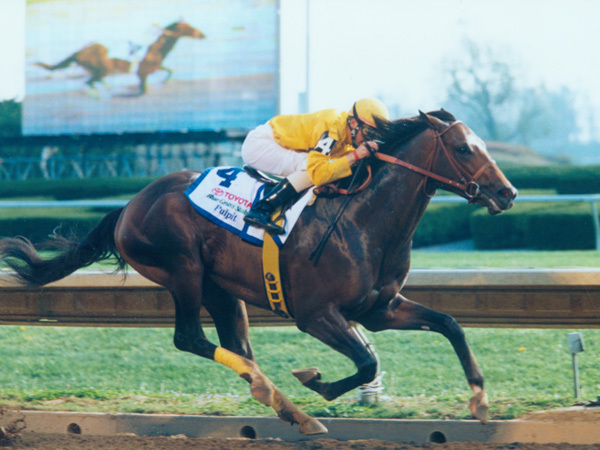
(121, 66)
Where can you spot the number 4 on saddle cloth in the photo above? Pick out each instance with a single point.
(224, 195)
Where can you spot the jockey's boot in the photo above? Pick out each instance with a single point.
(261, 212)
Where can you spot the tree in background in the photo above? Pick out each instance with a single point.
(481, 85)
(10, 118)
(484, 90)
(545, 116)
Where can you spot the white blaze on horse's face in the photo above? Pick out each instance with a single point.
(497, 193)
(475, 141)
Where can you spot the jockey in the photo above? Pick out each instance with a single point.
(309, 150)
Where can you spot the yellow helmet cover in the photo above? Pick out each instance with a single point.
(364, 110)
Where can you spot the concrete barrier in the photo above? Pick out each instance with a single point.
(577, 426)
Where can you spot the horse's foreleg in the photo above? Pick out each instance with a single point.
(190, 337)
(169, 73)
(403, 314)
(333, 329)
(264, 391)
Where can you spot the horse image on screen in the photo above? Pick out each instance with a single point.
(105, 66)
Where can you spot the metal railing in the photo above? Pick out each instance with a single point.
(591, 199)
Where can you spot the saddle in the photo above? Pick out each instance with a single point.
(269, 180)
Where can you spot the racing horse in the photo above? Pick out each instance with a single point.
(359, 277)
(95, 60)
(158, 51)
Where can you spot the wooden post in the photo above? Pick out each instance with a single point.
(576, 345)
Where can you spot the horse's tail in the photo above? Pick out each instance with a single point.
(61, 65)
(32, 270)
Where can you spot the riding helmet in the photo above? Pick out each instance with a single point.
(365, 109)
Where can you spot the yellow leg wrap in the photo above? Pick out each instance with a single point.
(236, 362)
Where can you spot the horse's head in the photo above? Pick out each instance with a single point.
(183, 29)
(462, 158)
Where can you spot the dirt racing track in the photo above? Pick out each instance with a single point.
(577, 427)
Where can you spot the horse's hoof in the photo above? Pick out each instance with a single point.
(479, 406)
(307, 375)
(312, 426)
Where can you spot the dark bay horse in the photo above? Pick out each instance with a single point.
(158, 51)
(358, 278)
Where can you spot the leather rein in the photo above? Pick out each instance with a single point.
(466, 182)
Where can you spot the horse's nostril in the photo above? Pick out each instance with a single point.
(507, 193)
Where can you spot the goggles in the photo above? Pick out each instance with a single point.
(369, 133)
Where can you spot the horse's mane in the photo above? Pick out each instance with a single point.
(396, 132)
(173, 26)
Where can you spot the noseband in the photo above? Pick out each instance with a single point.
(466, 182)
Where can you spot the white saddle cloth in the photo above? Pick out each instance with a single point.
(224, 195)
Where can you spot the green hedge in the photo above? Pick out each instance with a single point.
(443, 223)
(563, 179)
(542, 226)
(70, 189)
(38, 225)
(557, 226)
(440, 224)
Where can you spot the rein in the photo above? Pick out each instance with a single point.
(316, 253)
(467, 182)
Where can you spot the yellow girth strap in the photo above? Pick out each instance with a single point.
(271, 276)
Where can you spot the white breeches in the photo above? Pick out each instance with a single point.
(261, 151)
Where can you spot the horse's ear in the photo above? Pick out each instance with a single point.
(447, 116)
(424, 117)
(432, 122)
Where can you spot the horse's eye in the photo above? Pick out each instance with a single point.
(463, 149)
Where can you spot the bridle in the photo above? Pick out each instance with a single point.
(466, 182)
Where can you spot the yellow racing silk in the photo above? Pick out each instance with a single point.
(303, 131)
(323, 169)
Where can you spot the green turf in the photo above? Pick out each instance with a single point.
(505, 259)
(139, 370)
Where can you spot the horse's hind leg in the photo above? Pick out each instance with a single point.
(190, 337)
(142, 86)
(404, 314)
(93, 90)
(333, 329)
(230, 318)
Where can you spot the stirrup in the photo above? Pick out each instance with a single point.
(269, 226)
